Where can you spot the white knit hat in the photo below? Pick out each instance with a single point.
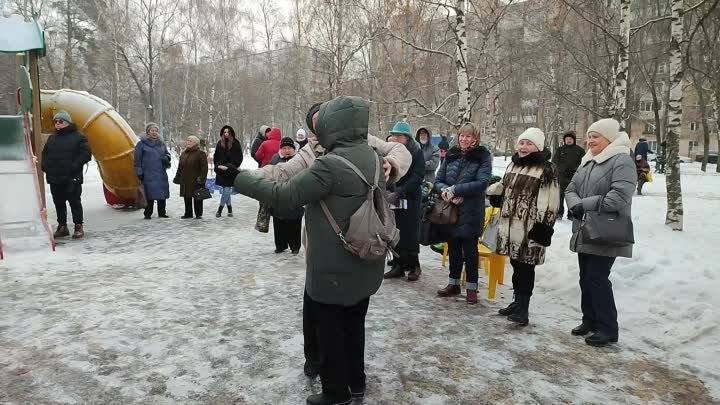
(607, 127)
(300, 135)
(534, 135)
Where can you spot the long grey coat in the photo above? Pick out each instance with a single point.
(610, 174)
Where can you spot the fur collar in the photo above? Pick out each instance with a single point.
(477, 153)
(619, 146)
(533, 159)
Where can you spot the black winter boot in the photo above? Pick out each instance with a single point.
(218, 214)
(397, 270)
(600, 339)
(322, 399)
(583, 329)
(508, 309)
(230, 214)
(520, 315)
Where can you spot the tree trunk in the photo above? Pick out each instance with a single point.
(461, 50)
(67, 77)
(674, 215)
(714, 98)
(620, 90)
(703, 119)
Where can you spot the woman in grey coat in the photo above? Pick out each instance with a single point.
(605, 181)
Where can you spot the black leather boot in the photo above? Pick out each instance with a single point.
(230, 214)
(218, 214)
(520, 315)
(583, 329)
(508, 309)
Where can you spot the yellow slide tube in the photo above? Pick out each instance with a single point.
(111, 139)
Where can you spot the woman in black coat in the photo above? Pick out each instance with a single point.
(227, 158)
(406, 195)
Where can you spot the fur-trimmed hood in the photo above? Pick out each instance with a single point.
(476, 153)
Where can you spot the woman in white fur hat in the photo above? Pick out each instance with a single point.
(529, 196)
(605, 181)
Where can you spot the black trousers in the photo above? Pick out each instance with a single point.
(149, 207)
(597, 300)
(340, 334)
(67, 193)
(561, 207)
(523, 278)
(191, 203)
(310, 344)
(287, 233)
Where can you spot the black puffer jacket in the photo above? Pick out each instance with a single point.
(64, 156)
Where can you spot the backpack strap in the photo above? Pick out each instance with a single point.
(326, 210)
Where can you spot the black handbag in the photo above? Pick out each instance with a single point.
(202, 194)
(607, 229)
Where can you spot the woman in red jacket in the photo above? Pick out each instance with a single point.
(269, 148)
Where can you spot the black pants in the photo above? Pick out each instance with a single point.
(561, 207)
(340, 333)
(463, 250)
(523, 278)
(67, 193)
(149, 207)
(287, 233)
(310, 344)
(191, 203)
(597, 300)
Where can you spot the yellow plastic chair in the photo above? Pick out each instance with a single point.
(493, 264)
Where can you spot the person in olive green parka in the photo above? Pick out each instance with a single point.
(338, 282)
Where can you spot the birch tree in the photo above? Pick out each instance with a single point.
(621, 72)
(674, 215)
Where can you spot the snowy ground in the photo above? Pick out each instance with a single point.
(202, 312)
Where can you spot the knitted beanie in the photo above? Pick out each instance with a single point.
(63, 115)
(287, 141)
(151, 125)
(534, 135)
(607, 127)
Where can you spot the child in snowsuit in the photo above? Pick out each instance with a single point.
(287, 226)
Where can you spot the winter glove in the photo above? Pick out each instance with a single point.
(541, 234)
(496, 200)
(393, 198)
(577, 211)
(231, 170)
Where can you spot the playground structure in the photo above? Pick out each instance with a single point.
(23, 213)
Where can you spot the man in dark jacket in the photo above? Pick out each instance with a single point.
(407, 197)
(338, 283)
(642, 148)
(567, 159)
(431, 153)
(259, 139)
(63, 158)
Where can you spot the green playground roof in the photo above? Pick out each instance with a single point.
(19, 35)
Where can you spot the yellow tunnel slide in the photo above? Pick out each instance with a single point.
(111, 139)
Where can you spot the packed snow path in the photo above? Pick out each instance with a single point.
(203, 312)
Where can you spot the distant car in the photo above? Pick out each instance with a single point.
(712, 157)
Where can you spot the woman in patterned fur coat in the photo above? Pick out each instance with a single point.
(529, 196)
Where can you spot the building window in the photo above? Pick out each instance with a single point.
(646, 106)
(693, 126)
(663, 68)
(693, 146)
(652, 145)
(649, 127)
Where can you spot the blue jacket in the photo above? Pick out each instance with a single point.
(151, 162)
(470, 174)
(642, 148)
